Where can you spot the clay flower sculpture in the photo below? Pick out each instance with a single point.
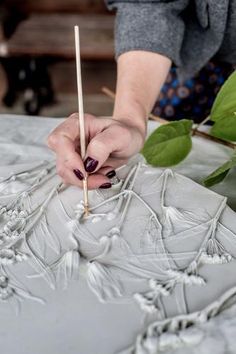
(156, 237)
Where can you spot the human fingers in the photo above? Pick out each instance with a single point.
(68, 158)
(110, 165)
(69, 177)
(101, 179)
(67, 129)
(114, 141)
(63, 141)
(98, 180)
(94, 181)
(115, 162)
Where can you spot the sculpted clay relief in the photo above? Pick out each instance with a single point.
(156, 238)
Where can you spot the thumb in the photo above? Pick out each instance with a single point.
(113, 140)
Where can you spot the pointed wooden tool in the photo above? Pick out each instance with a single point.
(81, 116)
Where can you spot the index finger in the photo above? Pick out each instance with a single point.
(63, 142)
(68, 129)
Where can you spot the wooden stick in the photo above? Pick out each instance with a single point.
(81, 116)
(202, 123)
(112, 95)
(158, 119)
(108, 92)
(151, 116)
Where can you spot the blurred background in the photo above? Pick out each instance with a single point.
(37, 56)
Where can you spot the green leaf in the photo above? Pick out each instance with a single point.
(169, 144)
(225, 102)
(225, 128)
(220, 173)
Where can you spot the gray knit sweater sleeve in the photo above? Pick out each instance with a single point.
(154, 26)
(189, 32)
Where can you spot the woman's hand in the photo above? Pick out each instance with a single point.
(110, 143)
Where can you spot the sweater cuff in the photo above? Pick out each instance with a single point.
(155, 27)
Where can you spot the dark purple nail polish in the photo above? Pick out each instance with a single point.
(111, 174)
(90, 164)
(105, 185)
(79, 174)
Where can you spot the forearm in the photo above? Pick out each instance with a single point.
(140, 76)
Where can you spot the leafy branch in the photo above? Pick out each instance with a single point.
(171, 143)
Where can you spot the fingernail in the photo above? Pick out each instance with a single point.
(111, 174)
(90, 164)
(105, 185)
(79, 174)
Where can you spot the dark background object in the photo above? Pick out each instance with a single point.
(37, 55)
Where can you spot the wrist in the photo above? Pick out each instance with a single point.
(135, 117)
(140, 126)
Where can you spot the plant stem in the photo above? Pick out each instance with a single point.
(216, 140)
